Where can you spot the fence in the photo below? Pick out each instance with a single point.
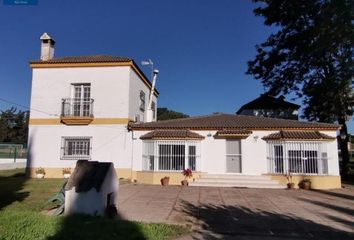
(12, 151)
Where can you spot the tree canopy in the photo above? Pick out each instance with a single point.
(311, 54)
(14, 126)
(167, 114)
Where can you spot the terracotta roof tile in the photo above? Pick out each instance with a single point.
(230, 121)
(84, 59)
(233, 133)
(298, 135)
(168, 134)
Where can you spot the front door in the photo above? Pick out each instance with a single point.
(233, 156)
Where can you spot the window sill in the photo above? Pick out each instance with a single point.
(73, 120)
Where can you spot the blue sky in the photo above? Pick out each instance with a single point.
(201, 47)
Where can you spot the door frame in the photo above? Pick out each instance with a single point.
(238, 155)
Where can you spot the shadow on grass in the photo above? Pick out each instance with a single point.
(231, 222)
(11, 186)
(88, 227)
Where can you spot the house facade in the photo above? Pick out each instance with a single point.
(94, 108)
(80, 109)
(226, 144)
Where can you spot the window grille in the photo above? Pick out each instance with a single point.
(297, 157)
(171, 155)
(76, 148)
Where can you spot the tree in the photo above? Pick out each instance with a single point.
(167, 114)
(14, 126)
(311, 54)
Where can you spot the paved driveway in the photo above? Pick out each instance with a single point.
(243, 213)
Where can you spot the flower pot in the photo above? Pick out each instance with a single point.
(291, 185)
(306, 185)
(40, 175)
(184, 183)
(165, 181)
(66, 175)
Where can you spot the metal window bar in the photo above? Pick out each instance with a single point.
(171, 155)
(308, 158)
(77, 107)
(76, 148)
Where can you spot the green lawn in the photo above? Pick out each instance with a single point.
(21, 203)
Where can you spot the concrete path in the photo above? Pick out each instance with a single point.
(227, 213)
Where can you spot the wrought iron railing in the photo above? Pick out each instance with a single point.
(77, 107)
(305, 158)
(171, 155)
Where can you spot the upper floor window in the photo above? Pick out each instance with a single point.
(142, 101)
(80, 103)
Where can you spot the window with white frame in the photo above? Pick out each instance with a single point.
(80, 104)
(171, 155)
(76, 148)
(297, 157)
(142, 101)
(81, 99)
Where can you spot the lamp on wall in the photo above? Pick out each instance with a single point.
(256, 138)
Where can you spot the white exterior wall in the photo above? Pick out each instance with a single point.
(110, 143)
(332, 153)
(135, 86)
(109, 89)
(115, 91)
(253, 153)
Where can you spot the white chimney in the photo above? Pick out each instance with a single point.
(47, 47)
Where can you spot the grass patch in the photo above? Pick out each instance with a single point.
(21, 201)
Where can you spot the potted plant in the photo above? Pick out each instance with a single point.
(187, 173)
(306, 184)
(66, 172)
(290, 183)
(165, 181)
(40, 172)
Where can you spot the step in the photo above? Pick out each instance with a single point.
(231, 180)
(240, 185)
(237, 180)
(235, 176)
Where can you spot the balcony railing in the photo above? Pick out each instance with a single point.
(77, 107)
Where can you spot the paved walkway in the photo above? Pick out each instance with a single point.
(245, 213)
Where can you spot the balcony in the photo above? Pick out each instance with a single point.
(77, 111)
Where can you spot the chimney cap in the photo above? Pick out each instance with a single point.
(45, 36)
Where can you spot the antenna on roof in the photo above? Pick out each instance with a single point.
(154, 73)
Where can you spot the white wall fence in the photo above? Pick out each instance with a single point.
(308, 158)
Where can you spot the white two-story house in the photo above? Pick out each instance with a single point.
(96, 108)
(80, 109)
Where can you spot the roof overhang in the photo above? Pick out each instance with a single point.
(233, 133)
(298, 136)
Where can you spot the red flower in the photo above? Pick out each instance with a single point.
(187, 173)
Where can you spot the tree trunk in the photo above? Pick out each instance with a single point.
(343, 143)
